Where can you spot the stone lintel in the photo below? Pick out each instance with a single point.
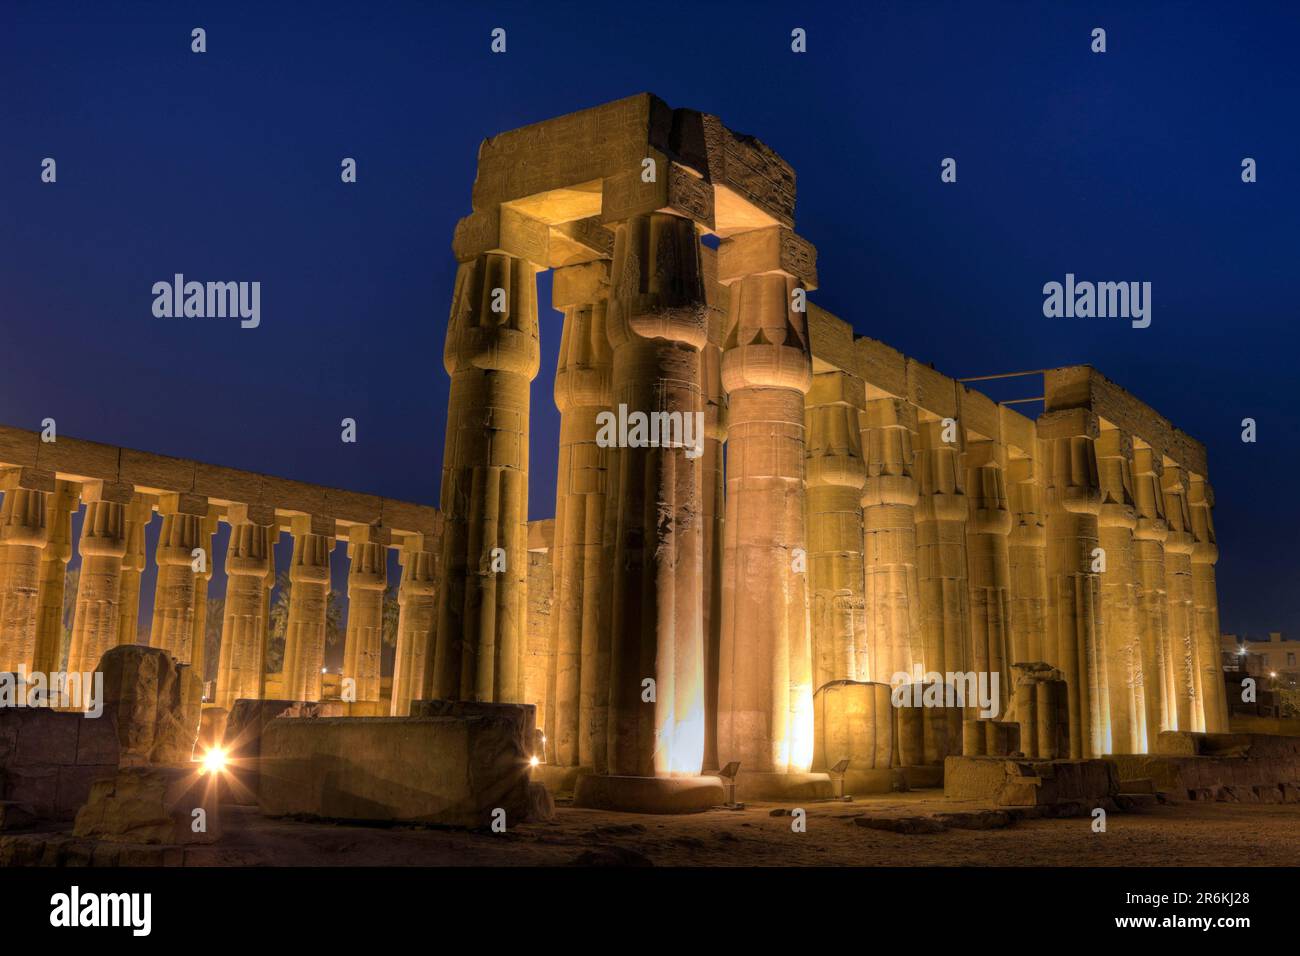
(931, 391)
(978, 414)
(263, 516)
(1018, 433)
(502, 230)
(157, 473)
(18, 447)
(183, 503)
(76, 458)
(27, 479)
(369, 534)
(882, 367)
(837, 388)
(580, 284)
(112, 491)
(831, 341)
(772, 251)
(313, 524)
(1069, 423)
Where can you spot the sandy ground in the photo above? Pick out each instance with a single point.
(1185, 834)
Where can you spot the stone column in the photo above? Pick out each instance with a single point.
(417, 602)
(97, 616)
(173, 604)
(364, 640)
(1205, 598)
(54, 563)
(492, 355)
(656, 327)
(1121, 637)
(202, 578)
(1027, 557)
(941, 547)
(1074, 600)
(889, 497)
(1149, 536)
(988, 563)
(582, 393)
(836, 473)
(139, 515)
(765, 706)
(714, 507)
(250, 574)
(1181, 642)
(309, 595)
(23, 537)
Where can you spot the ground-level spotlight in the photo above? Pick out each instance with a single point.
(533, 761)
(728, 777)
(837, 780)
(214, 760)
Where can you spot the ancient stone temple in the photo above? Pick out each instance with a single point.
(767, 528)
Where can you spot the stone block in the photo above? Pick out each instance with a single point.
(169, 805)
(452, 771)
(155, 703)
(522, 717)
(854, 721)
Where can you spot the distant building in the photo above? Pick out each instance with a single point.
(1275, 662)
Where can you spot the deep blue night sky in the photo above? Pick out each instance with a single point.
(225, 166)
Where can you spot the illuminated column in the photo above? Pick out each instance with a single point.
(1027, 557)
(836, 473)
(941, 547)
(202, 577)
(367, 581)
(1205, 552)
(1121, 638)
(54, 565)
(309, 593)
(103, 545)
(492, 355)
(1149, 536)
(1074, 628)
(23, 537)
(889, 497)
(582, 393)
(988, 564)
(714, 506)
(417, 602)
(765, 707)
(250, 574)
(173, 604)
(139, 514)
(1181, 642)
(656, 326)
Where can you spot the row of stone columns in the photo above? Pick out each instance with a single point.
(35, 547)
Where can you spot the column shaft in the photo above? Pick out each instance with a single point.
(54, 566)
(889, 496)
(23, 536)
(1027, 557)
(765, 716)
(653, 533)
(836, 473)
(1150, 535)
(941, 549)
(309, 594)
(1074, 635)
(97, 617)
(139, 515)
(1126, 731)
(417, 598)
(492, 355)
(1205, 598)
(582, 393)
(1181, 641)
(250, 573)
(364, 641)
(988, 563)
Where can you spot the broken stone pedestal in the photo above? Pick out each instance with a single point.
(152, 805)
